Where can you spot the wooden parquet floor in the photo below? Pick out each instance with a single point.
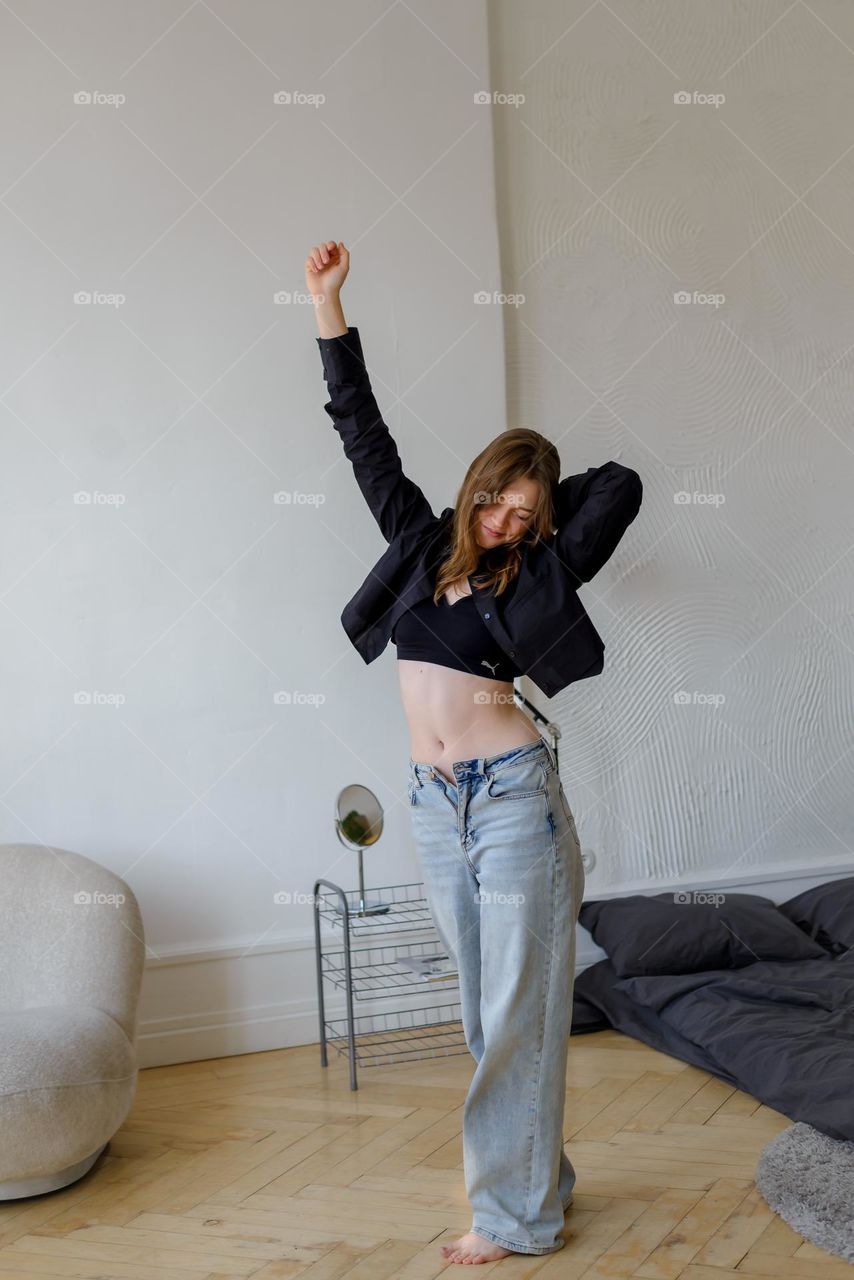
(269, 1166)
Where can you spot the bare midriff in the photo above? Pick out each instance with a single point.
(453, 715)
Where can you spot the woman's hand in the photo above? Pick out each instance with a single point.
(326, 268)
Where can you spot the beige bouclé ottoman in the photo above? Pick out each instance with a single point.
(72, 952)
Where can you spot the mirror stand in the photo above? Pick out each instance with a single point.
(358, 824)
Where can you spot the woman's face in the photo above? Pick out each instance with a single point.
(504, 517)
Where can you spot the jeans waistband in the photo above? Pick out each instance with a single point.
(485, 765)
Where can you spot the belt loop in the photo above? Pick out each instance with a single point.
(480, 764)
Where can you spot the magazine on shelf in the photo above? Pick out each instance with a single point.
(430, 968)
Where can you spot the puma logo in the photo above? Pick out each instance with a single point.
(492, 665)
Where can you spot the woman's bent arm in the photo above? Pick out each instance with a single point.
(593, 511)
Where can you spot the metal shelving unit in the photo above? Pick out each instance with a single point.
(372, 972)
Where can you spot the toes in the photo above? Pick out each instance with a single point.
(469, 1254)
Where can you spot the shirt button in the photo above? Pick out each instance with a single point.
(512, 653)
(487, 615)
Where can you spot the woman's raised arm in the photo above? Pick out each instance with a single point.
(397, 503)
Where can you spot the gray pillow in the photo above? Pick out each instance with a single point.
(826, 913)
(684, 932)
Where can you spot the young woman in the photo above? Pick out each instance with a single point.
(473, 599)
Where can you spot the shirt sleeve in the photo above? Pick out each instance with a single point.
(397, 503)
(592, 512)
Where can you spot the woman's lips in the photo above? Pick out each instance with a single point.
(491, 532)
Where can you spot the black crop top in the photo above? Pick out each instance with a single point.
(451, 635)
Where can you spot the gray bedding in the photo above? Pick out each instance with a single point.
(780, 1030)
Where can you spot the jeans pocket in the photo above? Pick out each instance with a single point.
(517, 781)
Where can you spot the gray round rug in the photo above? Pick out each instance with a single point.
(808, 1178)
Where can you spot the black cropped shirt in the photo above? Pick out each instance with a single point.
(539, 621)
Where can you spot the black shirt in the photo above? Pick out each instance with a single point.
(538, 621)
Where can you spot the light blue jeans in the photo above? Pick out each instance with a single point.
(504, 880)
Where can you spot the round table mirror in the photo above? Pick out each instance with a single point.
(359, 824)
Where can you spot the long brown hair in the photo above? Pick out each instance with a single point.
(516, 454)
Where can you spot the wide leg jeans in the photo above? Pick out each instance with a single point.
(502, 869)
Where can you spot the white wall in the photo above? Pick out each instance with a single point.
(198, 598)
(194, 598)
(612, 198)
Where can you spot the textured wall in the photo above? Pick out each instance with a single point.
(719, 737)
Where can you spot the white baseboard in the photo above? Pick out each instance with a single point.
(238, 998)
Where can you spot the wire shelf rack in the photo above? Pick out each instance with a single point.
(375, 972)
(407, 903)
(432, 1032)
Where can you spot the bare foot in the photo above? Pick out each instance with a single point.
(473, 1248)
